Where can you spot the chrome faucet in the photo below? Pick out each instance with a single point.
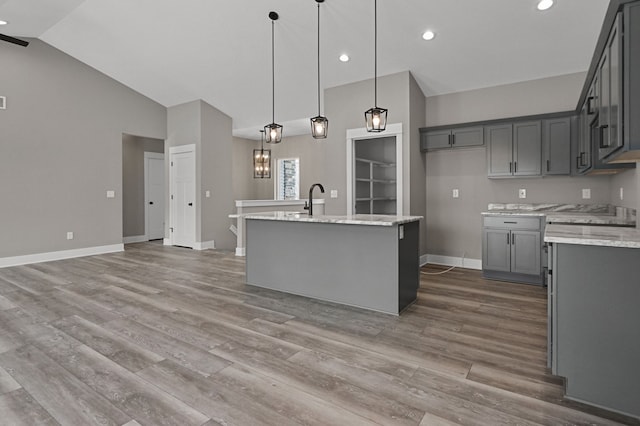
(308, 205)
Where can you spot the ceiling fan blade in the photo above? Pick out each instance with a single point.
(14, 40)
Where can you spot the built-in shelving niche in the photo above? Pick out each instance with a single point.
(374, 171)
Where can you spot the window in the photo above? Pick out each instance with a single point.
(288, 181)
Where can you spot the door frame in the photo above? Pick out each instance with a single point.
(180, 149)
(147, 157)
(353, 135)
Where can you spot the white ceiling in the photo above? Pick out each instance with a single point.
(219, 50)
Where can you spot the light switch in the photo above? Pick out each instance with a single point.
(334, 193)
(69, 235)
(522, 193)
(586, 193)
(207, 194)
(111, 194)
(456, 193)
(621, 193)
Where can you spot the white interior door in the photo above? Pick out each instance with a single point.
(183, 197)
(154, 195)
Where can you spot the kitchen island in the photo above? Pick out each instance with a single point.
(367, 261)
(593, 296)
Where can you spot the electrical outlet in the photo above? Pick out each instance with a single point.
(621, 193)
(3, 102)
(586, 193)
(111, 194)
(69, 235)
(455, 193)
(522, 193)
(207, 194)
(334, 193)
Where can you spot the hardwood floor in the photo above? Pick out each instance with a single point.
(167, 336)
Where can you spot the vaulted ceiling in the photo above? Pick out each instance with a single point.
(220, 50)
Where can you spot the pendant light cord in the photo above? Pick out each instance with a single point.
(318, 59)
(273, 75)
(375, 53)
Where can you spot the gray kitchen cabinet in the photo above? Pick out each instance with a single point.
(514, 149)
(512, 249)
(557, 146)
(451, 138)
(610, 73)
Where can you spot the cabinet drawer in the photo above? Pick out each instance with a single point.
(512, 222)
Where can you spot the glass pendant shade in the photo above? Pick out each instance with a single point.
(319, 127)
(273, 132)
(376, 119)
(261, 160)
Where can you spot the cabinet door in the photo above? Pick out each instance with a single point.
(527, 149)
(525, 252)
(603, 117)
(615, 86)
(437, 139)
(499, 150)
(496, 253)
(468, 136)
(557, 146)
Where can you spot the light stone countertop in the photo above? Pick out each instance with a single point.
(568, 217)
(593, 235)
(356, 219)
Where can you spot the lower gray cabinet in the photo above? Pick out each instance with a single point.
(512, 249)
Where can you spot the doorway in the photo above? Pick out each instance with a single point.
(183, 195)
(154, 195)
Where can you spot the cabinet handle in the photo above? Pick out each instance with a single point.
(512, 222)
(583, 163)
(589, 110)
(515, 167)
(453, 139)
(513, 239)
(508, 240)
(510, 167)
(547, 165)
(602, 129)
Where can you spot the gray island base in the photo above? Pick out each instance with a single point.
(366, 261)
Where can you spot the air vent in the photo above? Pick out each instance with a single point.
(3, 102)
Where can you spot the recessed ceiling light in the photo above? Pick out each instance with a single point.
(545, 4)
(428, 35)
(344, 58)
(3, 22)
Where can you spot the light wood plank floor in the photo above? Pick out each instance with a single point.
(159, 335)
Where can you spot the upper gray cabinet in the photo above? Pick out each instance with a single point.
(514, 149)
(556, 139)
(451, 138)
(610, 79)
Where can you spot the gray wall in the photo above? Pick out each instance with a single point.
(418, 187)
(133, 149)
(628, 180)
(61, 150)
(209, 129)
(454, 225)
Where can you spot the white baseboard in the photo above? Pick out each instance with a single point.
(135, 239)
(166, 241)
(58, 255)
(452, 261)
(241, 251)
(204, 245)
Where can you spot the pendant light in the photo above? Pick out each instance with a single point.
(262, 160)
(319, 124)
(273, 131)
(376, 117)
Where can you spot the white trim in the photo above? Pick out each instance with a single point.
(166, 242)
(241, 251)
(454, 261)
(584, 401)
(6, 262)
(394, 129)
(182, 148)
(147, 156)
(204, 245)
(272, 203)
(135, 239)
(423, 260)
